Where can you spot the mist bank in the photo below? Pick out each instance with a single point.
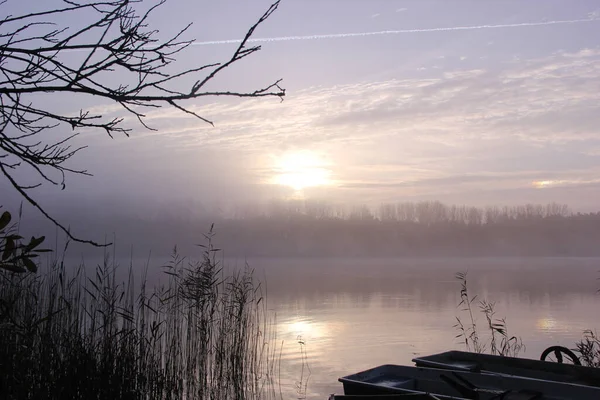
(310, 229)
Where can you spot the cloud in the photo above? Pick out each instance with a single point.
(454, 180)
(594, 14)
(456, 131)
(594, 152)
(375, 15)
(548, 99)
(555, 98)
(399, 10)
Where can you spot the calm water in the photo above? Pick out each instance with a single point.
(338, 317)
(354, 315)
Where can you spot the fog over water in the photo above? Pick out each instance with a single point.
(416, 140)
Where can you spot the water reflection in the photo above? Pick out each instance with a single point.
(309, 329)
(546, 324)
(356, 314)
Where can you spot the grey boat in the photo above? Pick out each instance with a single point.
(460, 385)
(406, 396)
(520, 367)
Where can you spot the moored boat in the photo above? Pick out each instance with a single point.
(454, 384)
(405, 396)
(511, 366)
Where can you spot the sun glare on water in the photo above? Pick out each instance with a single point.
(546, 324)
(301, 170)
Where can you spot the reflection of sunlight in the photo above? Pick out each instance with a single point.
(300, 170)
(546, 324)
(306, 328)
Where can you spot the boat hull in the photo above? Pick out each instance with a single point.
(519, 367)
(449, 384)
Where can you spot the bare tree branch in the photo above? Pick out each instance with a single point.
(36, 56)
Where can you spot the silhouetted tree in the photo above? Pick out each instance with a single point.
(114, 55)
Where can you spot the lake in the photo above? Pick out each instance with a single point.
(352, 315)
(335, 317)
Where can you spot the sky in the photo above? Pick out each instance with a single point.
(465, 102)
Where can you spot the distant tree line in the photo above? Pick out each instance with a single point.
(319, 229)
(309, 229)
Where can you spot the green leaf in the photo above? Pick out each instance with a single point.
(5, 220)
(22, 256)
(12, 268)
(34, 242)
(9, 247)
(30, 265)
(43, 251)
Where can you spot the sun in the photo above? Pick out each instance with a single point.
(300, 170)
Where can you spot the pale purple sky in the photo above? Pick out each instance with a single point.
(503, 111)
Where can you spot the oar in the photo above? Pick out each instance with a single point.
(463, 386)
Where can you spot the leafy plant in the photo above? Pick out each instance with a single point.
(16, 254)
(589, 349)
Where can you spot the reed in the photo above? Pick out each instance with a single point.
(202, 334)
(588, 349)
(494, 337)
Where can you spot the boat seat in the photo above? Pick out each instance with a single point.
(395, 382)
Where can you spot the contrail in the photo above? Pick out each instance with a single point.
(395, 32)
